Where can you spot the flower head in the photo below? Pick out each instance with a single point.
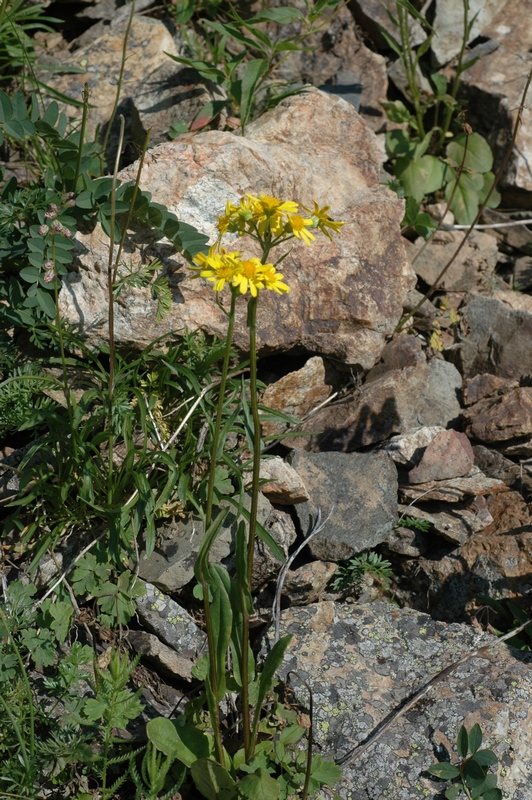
(273, 280)
(220, 268)
(323, 221)
(270, 213)
(298, 226)
(250, 276)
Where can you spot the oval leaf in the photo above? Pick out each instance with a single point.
(478, 158)
(162, 734)
(422, 177)
(445, 771)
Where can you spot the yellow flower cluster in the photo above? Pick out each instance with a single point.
(270, 221)
(265, 215)
(248, 274)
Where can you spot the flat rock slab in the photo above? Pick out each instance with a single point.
(498, 340)
(346, 295)
(360, 492)
(362, 662)
(473, 267)
(170, 622)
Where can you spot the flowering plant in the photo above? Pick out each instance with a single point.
(227, 602)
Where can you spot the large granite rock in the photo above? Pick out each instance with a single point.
(362, 662)
(346, 295)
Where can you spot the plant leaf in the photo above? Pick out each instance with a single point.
(444, 770)
(259, 786)
(421, 177)
(462, 742)
(479, 157)
(212, 780)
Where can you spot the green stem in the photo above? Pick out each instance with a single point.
(119, 82)
(212, 697)
(454, 89)
(252, 323)
(219, 412)
(111, 318)
(81, 134)
(409, 64)
(252, 530)
(59, 327)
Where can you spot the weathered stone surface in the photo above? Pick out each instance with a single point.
(170, 622)
(449, 455)
(265, 565)
(406, 449)
(164, 658)
(453, 490)
(485, 385)
(498, 340)
(497, 564)
(101, 57)
(517, 301)
(500, 418)
(171, 565)
(395, 402)
(360, 491)
(364, 661)
(449, 25)
(284, 486)
(472, 269)
(456, 523)
(338, 61)
(307, 584)
(172, 93)
(495, 465)
(494, 89)
(346, 295)
(297, 393)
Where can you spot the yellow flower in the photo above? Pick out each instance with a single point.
(272, 280)
(220, 268)
(250, 276)
(298, 226)
(323, 221)
(270, 213)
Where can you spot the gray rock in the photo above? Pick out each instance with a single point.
(472, 269)
(170, 622)
(449, 25)
(498, 340)
(361, 491)
(164, 658)
(171, 565)
(440, 403)
(362, 662)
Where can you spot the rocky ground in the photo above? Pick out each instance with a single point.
(432, 424)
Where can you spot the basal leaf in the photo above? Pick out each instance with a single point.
(212, 780)
(420, 178)
(259, 786)
(479, 157)
(465, 202)
(162, 734)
